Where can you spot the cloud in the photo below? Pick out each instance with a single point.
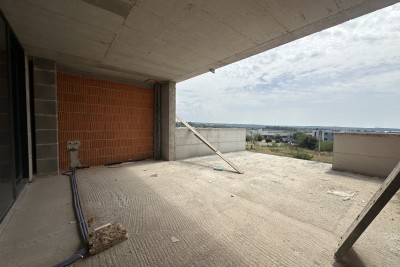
(338, 67)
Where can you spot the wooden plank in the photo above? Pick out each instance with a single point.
(199, 136)
(390, 186)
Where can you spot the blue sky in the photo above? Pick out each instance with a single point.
(348, 75)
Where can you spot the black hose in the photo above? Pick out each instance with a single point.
(78, 208)
(83, 226)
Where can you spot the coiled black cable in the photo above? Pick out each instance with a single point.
(83, 226)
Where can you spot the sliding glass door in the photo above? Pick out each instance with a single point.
(6, 133)
(13, 118)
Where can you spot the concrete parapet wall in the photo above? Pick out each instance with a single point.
(368, 154)
(224, 139)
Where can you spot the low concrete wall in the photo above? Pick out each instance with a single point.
(224, 139)
(368, 154)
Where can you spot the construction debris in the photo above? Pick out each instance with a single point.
(343, 194)
(106, 236)
(218, 168)
(174, 239)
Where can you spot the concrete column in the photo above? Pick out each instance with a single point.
(45, 115)
(168, 112)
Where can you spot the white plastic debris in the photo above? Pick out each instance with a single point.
(174, 239)
(343, 194)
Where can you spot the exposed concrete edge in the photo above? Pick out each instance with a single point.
(92, 67)
(370, 134)
(326, 23)
(111, 78)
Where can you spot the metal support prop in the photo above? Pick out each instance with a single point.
(390, 186)
(199, 136)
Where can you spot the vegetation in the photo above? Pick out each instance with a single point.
(293, 151)
(326, 146)
(278, 139)
(258, 137)
(249, 138)
(280, 128)
(203, 125)
(305, 140)
(302, 155)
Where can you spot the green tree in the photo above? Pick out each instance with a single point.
(305, 140)
(268, 140)
(278, 138)
(258, 137)
(249, 138)
(311, 142)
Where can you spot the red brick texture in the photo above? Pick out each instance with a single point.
(113, 121)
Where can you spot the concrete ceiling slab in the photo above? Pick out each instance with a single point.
(156, 40)
(133, 47)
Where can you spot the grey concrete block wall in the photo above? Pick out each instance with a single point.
(368, 154)
(45, 114)
(224, 139)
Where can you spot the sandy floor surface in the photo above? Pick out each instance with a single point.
(281, 212)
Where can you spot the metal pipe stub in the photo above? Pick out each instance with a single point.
(73, 147)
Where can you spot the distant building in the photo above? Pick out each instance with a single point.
(323, 135)
(285, 136)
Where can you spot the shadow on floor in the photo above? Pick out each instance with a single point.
(361, 177)
(224, 165)
(351, 259)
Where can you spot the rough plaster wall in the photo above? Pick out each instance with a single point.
(114, 121)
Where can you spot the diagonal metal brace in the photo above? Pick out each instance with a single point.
(390, 186)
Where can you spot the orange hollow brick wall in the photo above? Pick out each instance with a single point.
(113, 121)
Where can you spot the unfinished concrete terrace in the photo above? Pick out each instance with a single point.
(281, 212)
